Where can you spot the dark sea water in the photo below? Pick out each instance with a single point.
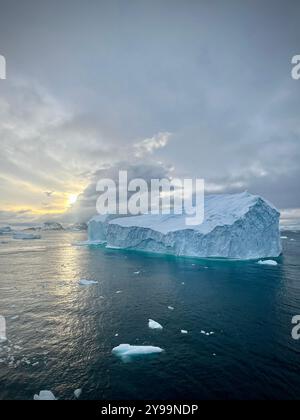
(60, 335)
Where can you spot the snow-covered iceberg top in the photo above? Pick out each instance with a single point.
(242, 226)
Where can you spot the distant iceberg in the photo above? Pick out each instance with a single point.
(236, 226)
(52, 226)
(4, 230)
(25, 236)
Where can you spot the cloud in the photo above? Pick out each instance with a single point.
(47, 147)
(148, 146)
(85, 207)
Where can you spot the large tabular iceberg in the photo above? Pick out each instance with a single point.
(242, 226)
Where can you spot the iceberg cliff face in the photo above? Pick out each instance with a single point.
(242, 226)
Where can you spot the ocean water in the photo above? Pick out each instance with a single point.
(60, 335)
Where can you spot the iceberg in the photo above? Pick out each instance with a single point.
(52, 226)
(154, 325)
(127, 351)
(78, 227)
(25, 236)
(235, 226)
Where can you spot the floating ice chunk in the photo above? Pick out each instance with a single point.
(267, 262)
(118, 292)
(184, 332)
(154, 325)
(44, 396)
(137, 272)
(203, 332)
(183, 283)
(284, 237)
(116, 335)
(13, 318)
(171, 308)
(77, 392)
(25, 236)
(127, 351)
(87, 282)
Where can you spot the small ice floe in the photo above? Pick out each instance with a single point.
(44, 396)
(128, 351)
(25, 236)
(77, 393)
(171, 308)
(118, 292)
(183, 283)
(292, 240)
(184, 332)
(13, 318)
(154, 325)
(116, 335)
(137, 272)
(87, 282)
(207, 333)
(284, 237)
(267, 262)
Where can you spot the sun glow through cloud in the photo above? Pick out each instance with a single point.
(72, 199)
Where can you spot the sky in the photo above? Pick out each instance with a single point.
(187, 88)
